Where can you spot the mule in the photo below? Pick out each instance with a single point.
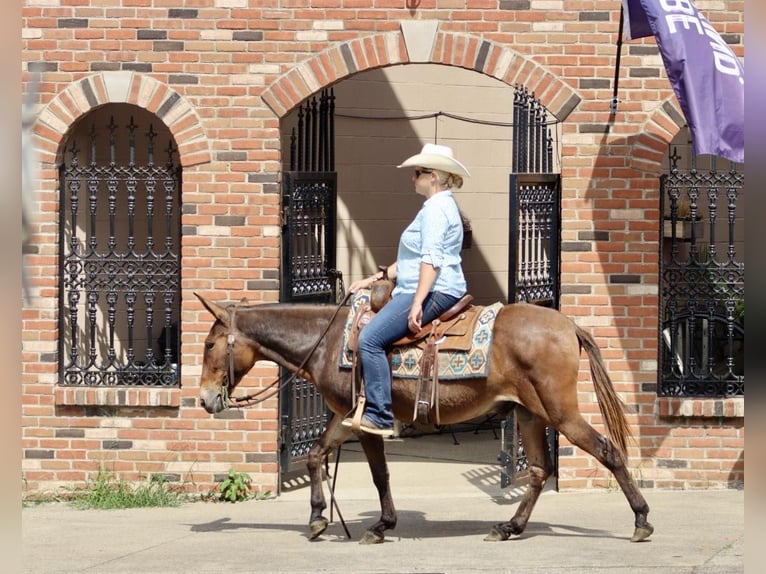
(534, 363)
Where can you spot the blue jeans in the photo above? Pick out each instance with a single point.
(389, 325)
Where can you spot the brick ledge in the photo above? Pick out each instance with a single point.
(701, 408)
(118, 396)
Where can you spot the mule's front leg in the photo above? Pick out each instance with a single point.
(376, 458)
(333, 436)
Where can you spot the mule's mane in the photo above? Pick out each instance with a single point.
(288, 329)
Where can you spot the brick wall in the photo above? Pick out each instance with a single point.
(220, 74)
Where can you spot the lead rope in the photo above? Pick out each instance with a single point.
(331, 487)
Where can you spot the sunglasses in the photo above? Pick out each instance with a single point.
(419, 172)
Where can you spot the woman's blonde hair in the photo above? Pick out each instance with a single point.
(448, 180)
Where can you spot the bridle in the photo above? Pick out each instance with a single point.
(274, 387)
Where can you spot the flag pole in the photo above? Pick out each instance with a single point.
(615, 100)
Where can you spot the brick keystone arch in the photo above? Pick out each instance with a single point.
(390, 48)
(651, 145)
(80, 97)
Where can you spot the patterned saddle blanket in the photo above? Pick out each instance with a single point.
(472, 361)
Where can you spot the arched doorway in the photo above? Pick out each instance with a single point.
(382, 116)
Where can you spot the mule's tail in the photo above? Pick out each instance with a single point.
(609, 403)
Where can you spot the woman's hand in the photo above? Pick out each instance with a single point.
(415, 317)
(365, 283)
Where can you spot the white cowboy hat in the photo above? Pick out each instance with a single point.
(437, 157)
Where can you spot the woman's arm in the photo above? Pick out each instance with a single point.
(367, 282)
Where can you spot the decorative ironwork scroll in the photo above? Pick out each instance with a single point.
(702, 267)
(120, 271)
(309, 203)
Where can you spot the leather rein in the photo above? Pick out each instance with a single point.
(256, 398)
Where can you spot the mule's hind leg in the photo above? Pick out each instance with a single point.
(580, 433)
(376, 458)
(532, 431)
(334, 435)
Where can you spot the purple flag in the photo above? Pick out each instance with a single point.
(707, 77)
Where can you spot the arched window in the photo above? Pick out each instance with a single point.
(702, 275)
(119, 302)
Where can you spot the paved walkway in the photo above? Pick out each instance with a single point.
(448, 498)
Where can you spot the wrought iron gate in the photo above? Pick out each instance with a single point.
(120, 273)
(534, 242)
(702, 269)
(309, 194)
(533, 251)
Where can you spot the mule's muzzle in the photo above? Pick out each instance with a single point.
(212, 401)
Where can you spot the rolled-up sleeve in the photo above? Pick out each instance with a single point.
(433, 232)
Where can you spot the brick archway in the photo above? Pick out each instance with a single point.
(56, 119)
(407, 46)
(651, 145)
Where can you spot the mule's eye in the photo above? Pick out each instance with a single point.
(209, 346)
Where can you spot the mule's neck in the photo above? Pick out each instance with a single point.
(287, 333)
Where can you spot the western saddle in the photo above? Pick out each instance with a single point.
(453, 329)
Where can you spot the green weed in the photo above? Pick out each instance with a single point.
(236, 487)
(109, 492)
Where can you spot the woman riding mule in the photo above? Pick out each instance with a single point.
(429, 279)
(534, 363)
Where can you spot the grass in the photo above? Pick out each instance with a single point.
(108, 492)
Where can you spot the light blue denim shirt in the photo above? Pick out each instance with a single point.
(435, 236)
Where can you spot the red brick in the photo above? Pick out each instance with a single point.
(228, 117)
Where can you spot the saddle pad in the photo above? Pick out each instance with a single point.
(405, 360)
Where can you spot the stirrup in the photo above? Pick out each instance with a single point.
(356, 421)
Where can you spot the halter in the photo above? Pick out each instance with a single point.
(252, 399)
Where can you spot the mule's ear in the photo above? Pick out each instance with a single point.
(218, 312)
(243, 301)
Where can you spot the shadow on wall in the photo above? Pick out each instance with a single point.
(628, 240)
(737, 473)
(385, 115)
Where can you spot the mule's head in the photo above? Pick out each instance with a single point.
(226, 351)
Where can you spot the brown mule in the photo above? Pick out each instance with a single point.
(534, 363)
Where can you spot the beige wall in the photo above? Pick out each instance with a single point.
(376, 200)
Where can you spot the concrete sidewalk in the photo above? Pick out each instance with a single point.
(446, 506)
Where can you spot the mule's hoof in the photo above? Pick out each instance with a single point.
(371, 537)
(318, 526)
(642, 533)
(496, 535)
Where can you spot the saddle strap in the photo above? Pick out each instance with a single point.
(363, 316)
(435, 390)
(423, 394)
(427, 394)
(355, 378)
(356, 422)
